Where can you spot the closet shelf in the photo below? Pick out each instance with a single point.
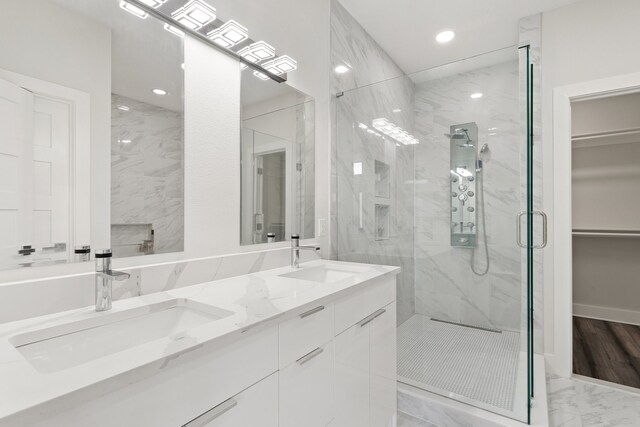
(623, 234)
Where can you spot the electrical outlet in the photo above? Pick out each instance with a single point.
(322, 227)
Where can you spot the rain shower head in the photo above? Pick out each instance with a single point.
(461, 134)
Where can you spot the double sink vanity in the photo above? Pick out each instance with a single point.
(312, 346)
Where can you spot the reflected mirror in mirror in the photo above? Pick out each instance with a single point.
(277, 153)
(87, 91)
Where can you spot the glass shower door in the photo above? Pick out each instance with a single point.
(433, 170)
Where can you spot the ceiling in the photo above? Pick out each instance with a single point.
(406, 29)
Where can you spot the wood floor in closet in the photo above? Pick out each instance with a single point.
(607, 351)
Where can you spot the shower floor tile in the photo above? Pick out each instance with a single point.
(456, 360)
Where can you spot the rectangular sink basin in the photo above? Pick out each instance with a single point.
(65, 346)
(325, 273)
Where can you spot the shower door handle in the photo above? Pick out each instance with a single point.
(519, 229)
(545, 222)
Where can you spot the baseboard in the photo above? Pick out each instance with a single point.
(607, 313)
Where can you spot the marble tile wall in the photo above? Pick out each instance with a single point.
(446, 287)
(147, 174)
(353, 222)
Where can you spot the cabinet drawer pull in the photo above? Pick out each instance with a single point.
(312, 311)
(212, 413)
(304, 359)
(372, 316)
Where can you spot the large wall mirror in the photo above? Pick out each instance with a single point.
(277, 154)
(88, 91)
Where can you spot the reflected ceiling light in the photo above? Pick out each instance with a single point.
(174, 30)
(357, 168)
(476, 95)
(229, 34)
(261, 76)
(195, 14)
(124, 141)
(134, 10)
(182, 66)
(445, 36)
(153, 3)
(123, 108)
(281, 64)
(394, 131)
(363, 126)
(160, 92)
(490, 129)
(397, 110)
(258, 51)
(341, 69)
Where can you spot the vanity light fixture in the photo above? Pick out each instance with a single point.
(261, 76)
(243, 66)
(341, 69)
(282, 64)
(229, 34)
(445, 36)
(394, 131)
(174, 30)
(160, 92)
(258, 51)
(123, 108)
(153, 3)
(195, 14)
(476, 95)
(134, 10)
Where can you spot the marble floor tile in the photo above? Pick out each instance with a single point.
(578, 403)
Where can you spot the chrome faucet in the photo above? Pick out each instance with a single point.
(295, 250)
(104, 279)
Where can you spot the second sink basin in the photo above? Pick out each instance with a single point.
(326, 273)
(64, 346)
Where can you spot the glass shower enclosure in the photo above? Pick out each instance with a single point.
(434, 174)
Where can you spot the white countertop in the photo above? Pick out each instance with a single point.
(255, 299)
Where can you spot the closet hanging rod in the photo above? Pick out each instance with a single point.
(633, 234)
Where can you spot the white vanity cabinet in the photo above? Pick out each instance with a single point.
(365, 361)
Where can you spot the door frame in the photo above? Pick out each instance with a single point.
(562, 361)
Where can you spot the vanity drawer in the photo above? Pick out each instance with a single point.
(180, 389)
(306, 390)
(309, 330)
(256, 406)
(355, 307)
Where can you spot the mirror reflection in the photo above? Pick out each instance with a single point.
(87, 92)
(277, 161)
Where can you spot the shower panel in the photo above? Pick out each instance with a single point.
(464, 162)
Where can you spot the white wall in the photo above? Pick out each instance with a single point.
(588, 40)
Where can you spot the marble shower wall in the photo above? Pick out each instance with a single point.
(446, 287)
(356, 150)
(147, 174)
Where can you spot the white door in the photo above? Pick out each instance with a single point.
(16, 171)
(51, 185)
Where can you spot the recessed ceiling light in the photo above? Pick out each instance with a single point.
(476, 95)
(445, 36)
(134, 10)
(397, 110)
(341, 69)
(174, 30)
(357, 168)
(160, 92)
(123, 108)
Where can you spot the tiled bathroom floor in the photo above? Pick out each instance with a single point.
(445, 358)
(577, 403)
